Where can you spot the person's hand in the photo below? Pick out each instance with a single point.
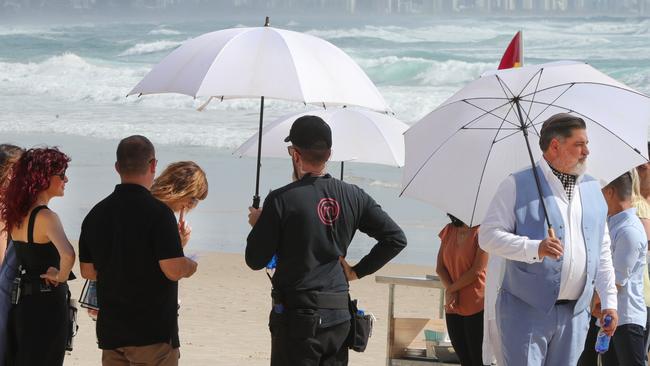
(253, 215)
(92, 313)
(350, 274)
(550, 247)
(184, 229)
(451, 300)
(51, 277)
(609, 330)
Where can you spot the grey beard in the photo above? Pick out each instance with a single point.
(580, 168)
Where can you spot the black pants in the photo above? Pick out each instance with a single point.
(589, 356)
(38, 329)
(466, 334)
(297, 340)
(626, 347)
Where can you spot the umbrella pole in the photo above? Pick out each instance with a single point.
(256, 197)
(342, 163)
(551, 232)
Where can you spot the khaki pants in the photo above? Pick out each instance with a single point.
(159, 354)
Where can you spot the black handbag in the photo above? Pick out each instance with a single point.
(360, 328)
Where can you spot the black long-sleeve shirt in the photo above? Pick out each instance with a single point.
(309, 224)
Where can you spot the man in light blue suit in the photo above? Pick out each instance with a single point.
(542, 308)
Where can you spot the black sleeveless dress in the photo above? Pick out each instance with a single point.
(38, 324)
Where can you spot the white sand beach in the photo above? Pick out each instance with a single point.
(224, 314)
(65, 85)
(225, 306)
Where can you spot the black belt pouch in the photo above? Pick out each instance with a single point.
(360, 328)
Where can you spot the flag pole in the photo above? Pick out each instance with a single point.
(521, 47)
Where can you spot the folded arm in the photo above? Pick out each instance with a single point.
(177, 268)
(467, 278)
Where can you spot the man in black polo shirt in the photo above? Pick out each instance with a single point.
(309, 225)
(131, 246)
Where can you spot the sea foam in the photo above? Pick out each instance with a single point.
(151, 47)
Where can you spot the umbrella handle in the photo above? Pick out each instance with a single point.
(551, 233)
(256, 201)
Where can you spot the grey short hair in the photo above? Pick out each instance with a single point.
(559, 126)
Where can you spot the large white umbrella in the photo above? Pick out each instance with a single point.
(263, 62)
(357, 135)
(457, 155)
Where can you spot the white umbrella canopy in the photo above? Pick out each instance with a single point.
(263, 61)
(457, 155)
(357, 135)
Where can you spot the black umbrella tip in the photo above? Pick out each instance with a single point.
(267, 22)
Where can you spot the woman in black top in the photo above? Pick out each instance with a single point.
(38, 329)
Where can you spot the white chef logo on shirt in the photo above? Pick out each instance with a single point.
(328, 210)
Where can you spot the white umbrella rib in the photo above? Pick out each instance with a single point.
(487, 158)
(551, 104)
(595, 122)
(505, 86)
(632, 91)
(446, 140)
(539, 79)
(490, 113)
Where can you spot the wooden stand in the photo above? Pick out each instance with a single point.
(403, 332)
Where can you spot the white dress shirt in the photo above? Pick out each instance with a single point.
(496, 237)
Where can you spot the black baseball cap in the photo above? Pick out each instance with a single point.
(310, 132)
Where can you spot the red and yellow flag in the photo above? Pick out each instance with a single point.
(514, 55)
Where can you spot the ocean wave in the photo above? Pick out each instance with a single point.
(151, 47)
(394, 70)
(383, 184)
(27, 30)
(440, 33)
(93, 83)
(70, 77)
(164, 32)
(622, 27)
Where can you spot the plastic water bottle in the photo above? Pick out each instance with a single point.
(273, 262)
(602, 341)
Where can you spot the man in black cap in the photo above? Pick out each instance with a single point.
(309, 225)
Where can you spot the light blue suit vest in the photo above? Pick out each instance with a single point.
(538, 284)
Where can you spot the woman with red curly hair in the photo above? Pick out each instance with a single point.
(38, 329)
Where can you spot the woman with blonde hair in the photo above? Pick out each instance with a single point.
(9, 155)
(181, 186)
